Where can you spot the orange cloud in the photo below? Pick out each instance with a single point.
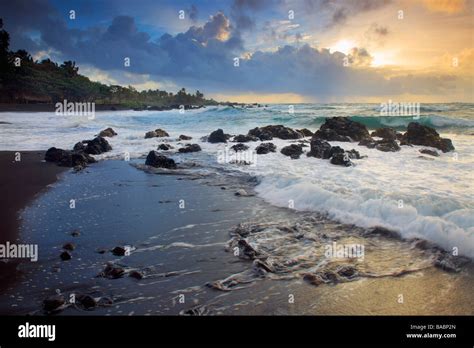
(448, 6)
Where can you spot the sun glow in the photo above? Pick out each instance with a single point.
(343, 46)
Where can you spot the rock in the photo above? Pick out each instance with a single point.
(157, 133)
(278, 131)
(293, 150)
(418, 134)
(108, 132)
(265, 148)
(313, 279)
(97, 146)
(242, 193)
(156, 160)
(450, 263)
(165, 147)
(239, 147)
(430, 152)
(319, 148)
(66, 158)
(136, 274)
(190, 148)
(354, 154)
(184, 137)
(79, 146)
(119, 251)
(112, 271)
(336, 150)
(387, 145)
(75, 233)
(342, 129)
(87, 301)
(69, 246)
(217, 136)
(246, 249)
(65, 256)
(341, 159)
(385, 133)
(306, 132)
(347, 271)
(53, 303)
(244, 138)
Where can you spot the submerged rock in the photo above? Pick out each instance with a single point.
(136, 274)
(190, 148)
(293, 150)
(156, 160)
(418, 134)
(69, 246)
(108, 132)
(112, 271)
(265, 148)
(87, 301)
(429, 152)
(342, 129)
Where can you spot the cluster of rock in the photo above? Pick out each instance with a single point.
(80, 156)
(157, 133)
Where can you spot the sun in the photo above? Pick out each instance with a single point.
(343, 46)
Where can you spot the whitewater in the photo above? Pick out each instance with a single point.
(418, 196)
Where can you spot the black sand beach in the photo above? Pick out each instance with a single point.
(20, 182)
(181, 261)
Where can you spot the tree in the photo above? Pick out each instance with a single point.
(70, 68)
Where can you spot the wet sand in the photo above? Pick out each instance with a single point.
(20, 182)
(181, 251)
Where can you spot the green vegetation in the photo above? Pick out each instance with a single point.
(47, 82)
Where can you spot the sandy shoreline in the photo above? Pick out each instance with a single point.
(20, 182)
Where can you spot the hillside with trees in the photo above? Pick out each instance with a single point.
(26, 81)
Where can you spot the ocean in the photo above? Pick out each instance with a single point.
(419, 197)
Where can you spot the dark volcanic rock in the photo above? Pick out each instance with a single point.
(278, 131)
(342, 129)
(87, 301)
(239, 147)
(108, 132)
(69, 246)
(386, 133)
(79, 147)
(217, 136)
(66, 158)
(97, 146)
(319, 148)
(136, 274)
(387, 145)
(53, 303)
(265, 148)
(293, 150)
(341, 159)
(154, 159)
(112, 271)
(157, 133)
(418, 134)
(429, 152)
(190, 148)
(184, 137)
(65, 256)
(119, 251)
(306, 132)
(244, 138)
(165, 147)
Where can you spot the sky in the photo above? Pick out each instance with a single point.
(268, 51)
